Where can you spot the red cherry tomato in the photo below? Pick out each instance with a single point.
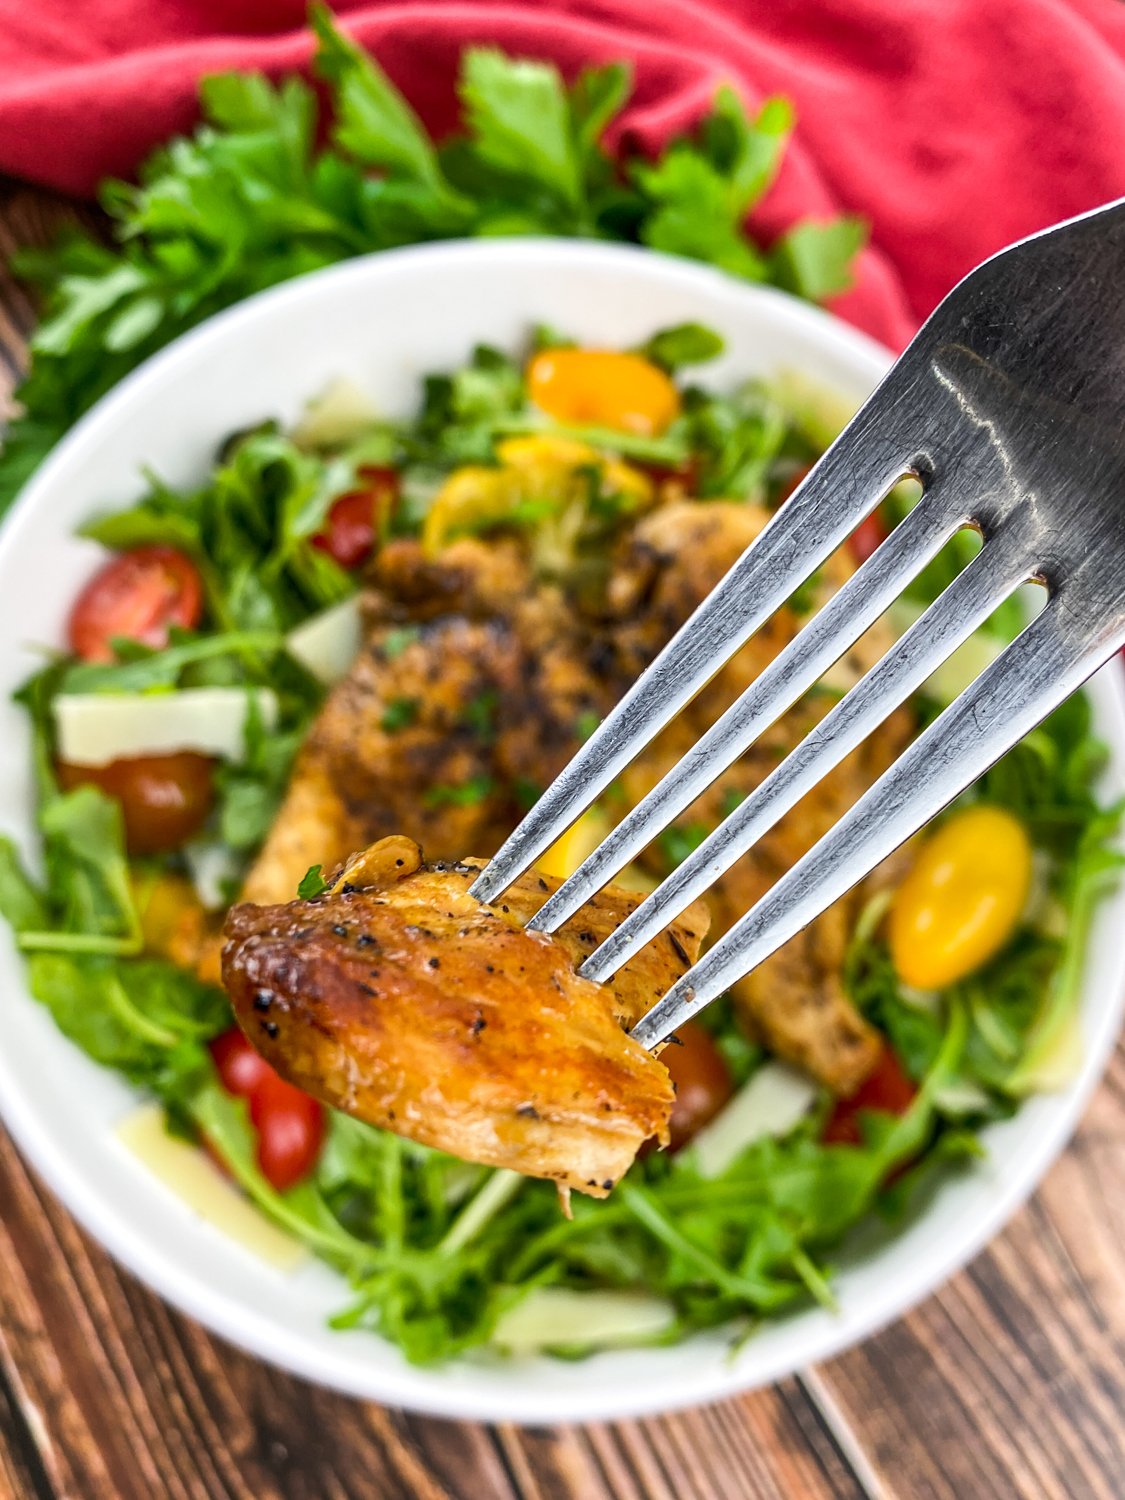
(686, 475)
(887, 1089)
(868, 535)
(702, 1081)
(352, 526)
(239, 1067)
(165, 799)
(137, 596)
(792, 482)
(289, 1123)
(290, 1127)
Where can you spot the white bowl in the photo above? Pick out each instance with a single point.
(386, 321)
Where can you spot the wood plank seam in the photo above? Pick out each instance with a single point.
(843, 1435)
(17, 1427)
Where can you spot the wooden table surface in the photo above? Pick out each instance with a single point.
(1009, 1382)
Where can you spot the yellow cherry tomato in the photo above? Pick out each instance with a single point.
(567, 852)
(603, 388)
(547, 464)
(962, 899)
(471, 498)
(540, 468)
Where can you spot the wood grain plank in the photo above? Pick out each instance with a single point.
(1011, 1381)
(120, 1395)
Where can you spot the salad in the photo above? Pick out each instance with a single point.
(206, 656)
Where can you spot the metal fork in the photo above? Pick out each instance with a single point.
(1009, 407)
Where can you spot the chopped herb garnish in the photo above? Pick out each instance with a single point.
(527, 793)
(396, 640)
(312, 884)
(732, 798)
(682, 839)
(586, 723)
(468, 794)
(399, 713)
(479, 714)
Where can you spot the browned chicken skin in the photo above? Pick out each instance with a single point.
(795, 1000)
(399, 998)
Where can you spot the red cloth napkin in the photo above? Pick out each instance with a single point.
(954, 127)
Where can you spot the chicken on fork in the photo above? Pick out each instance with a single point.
(399, 998)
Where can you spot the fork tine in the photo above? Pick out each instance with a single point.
(830, 633)
(1046, 664)
(863, 464)
(997, 570)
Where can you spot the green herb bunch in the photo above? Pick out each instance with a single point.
(254, 197)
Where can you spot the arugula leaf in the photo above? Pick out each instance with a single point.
(736, 440)
(21, 905)
(165, 667)
(248, 792)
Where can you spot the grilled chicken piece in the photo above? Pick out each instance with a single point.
(399, 998)
(796, 1000)
(463, 704)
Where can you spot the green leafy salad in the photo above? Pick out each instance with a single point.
(199, 657)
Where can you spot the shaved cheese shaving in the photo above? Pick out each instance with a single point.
(327, 644)
(772, 1102)
(554, 1317)
(95, 728)
(184, 1169)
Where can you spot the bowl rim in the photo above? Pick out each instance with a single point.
(271, 1339)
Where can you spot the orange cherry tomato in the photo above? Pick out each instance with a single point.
(887, 1089)
(701, 1079)
(351, 527)
(289, 1123)
(603, 388)
(136, 596)
(165, 799)
(868, 535)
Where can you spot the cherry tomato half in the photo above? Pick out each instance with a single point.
(288, 1122)
(290, 1126)
(702, 1081)
(603, 388)
(868, 535)
(352, 525)
(165, 799)
(887, 1089)
(239, 1067)
(137, 596)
